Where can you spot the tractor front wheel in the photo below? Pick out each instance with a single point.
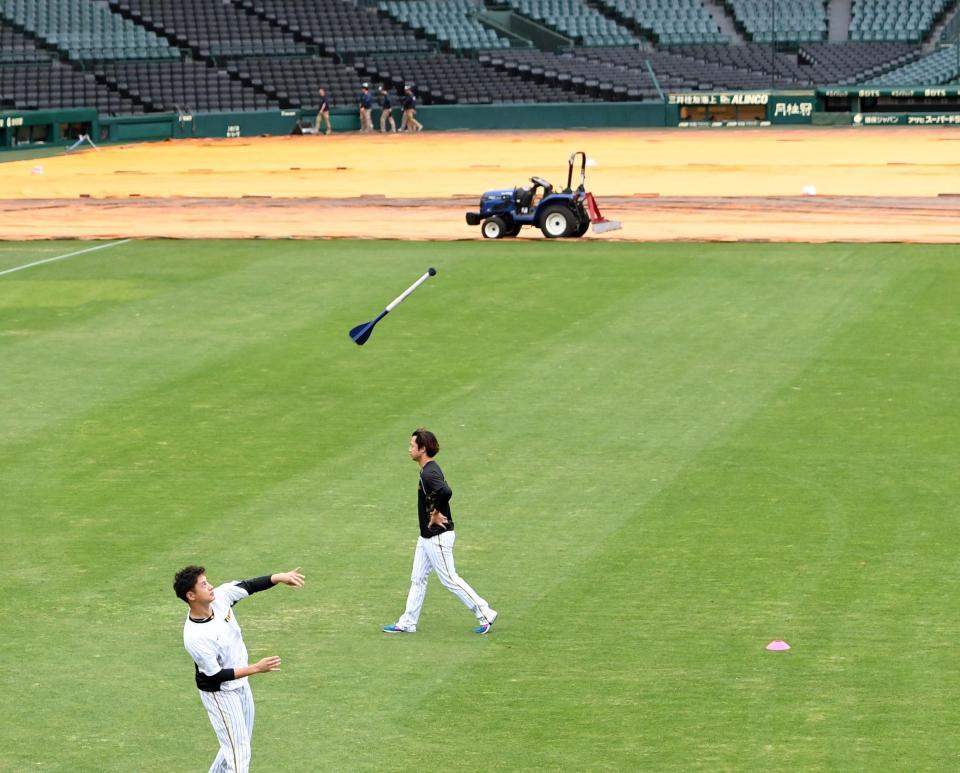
(557, 222)
(493, 228)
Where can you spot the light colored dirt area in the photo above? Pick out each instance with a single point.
(872, 184)
(663, 219)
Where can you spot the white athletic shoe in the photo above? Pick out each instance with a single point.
(486, 625)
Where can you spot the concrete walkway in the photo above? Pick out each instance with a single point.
(724, 21)
(839, 14)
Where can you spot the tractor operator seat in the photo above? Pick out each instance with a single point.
(523, 197)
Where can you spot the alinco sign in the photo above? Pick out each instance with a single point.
(720, 98)
(732, 108)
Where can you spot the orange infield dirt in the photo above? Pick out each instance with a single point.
(872, 184)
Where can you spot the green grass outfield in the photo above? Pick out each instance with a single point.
(664, 457)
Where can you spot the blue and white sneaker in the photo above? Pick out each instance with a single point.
(485, 627)
(397, 629)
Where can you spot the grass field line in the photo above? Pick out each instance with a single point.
(63, 257)
(170, 332)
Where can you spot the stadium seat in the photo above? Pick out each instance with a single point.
(576, 20)
(85, 31)
(896, 20)
(933, 69)
(785, 21)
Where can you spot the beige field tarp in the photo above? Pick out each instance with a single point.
(871, 184)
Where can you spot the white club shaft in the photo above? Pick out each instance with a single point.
(400, 298)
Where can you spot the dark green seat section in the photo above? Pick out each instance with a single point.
(783, 21)
(934, 69)
(338, 29)
(908, 21)
(576, 20)
(86, 31)
(669, 22)
(54, 84)
(187, 87)
(17, 48)
(451, 23)
(211, 29)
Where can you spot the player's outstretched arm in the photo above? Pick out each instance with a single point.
(258, 584)
(293, 577)
(260, 667)
(213, 681)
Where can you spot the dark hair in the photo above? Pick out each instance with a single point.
(186, 580)
(427, 441)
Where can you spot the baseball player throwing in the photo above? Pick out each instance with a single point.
(212, 636)
(434, 551)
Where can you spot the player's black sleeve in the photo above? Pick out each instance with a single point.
(212, 683)
(257, 584)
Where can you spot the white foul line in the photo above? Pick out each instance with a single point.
(61, 257)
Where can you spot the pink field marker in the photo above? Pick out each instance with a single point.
(778, 645)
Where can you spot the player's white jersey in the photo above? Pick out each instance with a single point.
(217, 643)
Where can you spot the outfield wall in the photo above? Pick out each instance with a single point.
(920, 106)
(46, 127)
(160, 126)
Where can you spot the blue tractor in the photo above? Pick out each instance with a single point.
(564, 214)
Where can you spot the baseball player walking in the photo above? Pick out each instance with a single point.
(212, 636)
(434, 550)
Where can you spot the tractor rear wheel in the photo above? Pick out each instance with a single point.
(493, 228)
(557, 222)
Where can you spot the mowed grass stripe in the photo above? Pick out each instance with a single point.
(869, 428)
(161, 327)
(766, 512)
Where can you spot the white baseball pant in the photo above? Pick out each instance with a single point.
(231, 714)
(436, 554)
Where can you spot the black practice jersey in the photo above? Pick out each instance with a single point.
(433, 493)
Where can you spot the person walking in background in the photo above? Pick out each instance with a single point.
(434, 551)
(386, 111)
(366, 108)
(409, 122)
(212, 636)
(323, 114)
